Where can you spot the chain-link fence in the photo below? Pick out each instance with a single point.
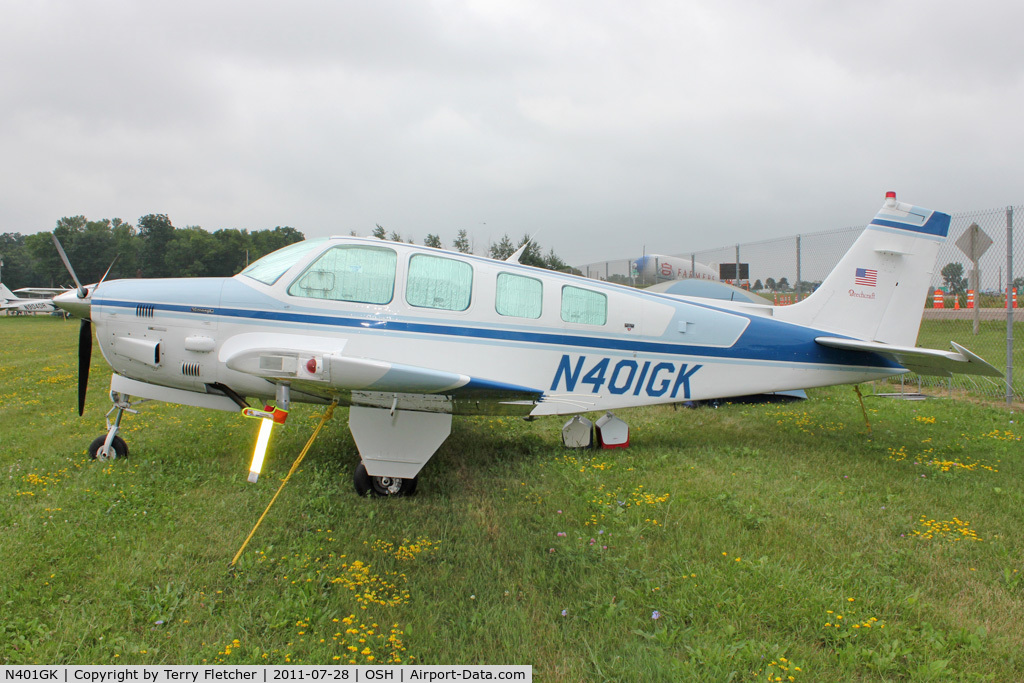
(970, 306)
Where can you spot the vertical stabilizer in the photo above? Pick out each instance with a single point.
(878, 290)
(6, 294)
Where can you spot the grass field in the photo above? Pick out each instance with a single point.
(744, 543)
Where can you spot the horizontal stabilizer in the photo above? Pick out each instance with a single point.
(922, 361)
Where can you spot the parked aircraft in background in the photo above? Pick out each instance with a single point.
(12, 303)
(410, 336)
(657, 267)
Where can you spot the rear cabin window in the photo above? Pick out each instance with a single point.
(441, 283)
(584, 306)
(357, 273)
(518, 296)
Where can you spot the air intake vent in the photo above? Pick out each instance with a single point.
(145, 310)
(190, 369)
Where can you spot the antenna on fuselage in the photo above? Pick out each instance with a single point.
(514, 258)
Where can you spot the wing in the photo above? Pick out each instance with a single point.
(327, 373)
(921, 361)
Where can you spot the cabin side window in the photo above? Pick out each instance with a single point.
(441, 283)
(361, 274)
(584, 306)
(518, 296)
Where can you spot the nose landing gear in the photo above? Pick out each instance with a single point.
(111, 446)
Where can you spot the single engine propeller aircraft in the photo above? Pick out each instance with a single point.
(11, 302)
(409, 336)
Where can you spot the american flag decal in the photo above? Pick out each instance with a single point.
(865, 277)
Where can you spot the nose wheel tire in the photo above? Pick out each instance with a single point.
(382, 486)
(118, 448)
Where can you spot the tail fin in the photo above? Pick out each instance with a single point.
(6, 294)
(878, 290)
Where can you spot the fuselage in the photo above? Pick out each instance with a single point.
(585, 345)
(28, 306)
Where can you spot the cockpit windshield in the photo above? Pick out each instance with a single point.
(272, 266)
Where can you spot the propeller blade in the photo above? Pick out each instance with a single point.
(84, 356)
(82, 292)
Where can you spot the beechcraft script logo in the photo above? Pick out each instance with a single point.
(865, 277)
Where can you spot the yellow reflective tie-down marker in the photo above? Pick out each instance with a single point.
(260, 451)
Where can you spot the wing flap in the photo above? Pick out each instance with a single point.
(922, 361)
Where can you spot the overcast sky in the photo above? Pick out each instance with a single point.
(609, 127)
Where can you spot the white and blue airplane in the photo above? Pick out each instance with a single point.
(410, 336)
(12, 303)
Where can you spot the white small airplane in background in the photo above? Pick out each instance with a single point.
(409, 336)
(12, 303)
(658, 267)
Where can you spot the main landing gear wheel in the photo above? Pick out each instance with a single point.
(118, 448)
(382, 486)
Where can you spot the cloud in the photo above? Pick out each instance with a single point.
(609, 127)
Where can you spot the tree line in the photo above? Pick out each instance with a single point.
(783, 285)
(151, 248)
(154, 247)
(533, 254)
(955, 281)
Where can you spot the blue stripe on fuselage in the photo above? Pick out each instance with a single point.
(763, 339)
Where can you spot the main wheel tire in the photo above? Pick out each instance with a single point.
(118, 445)
(382, 486)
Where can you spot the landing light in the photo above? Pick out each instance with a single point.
(261, 449)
